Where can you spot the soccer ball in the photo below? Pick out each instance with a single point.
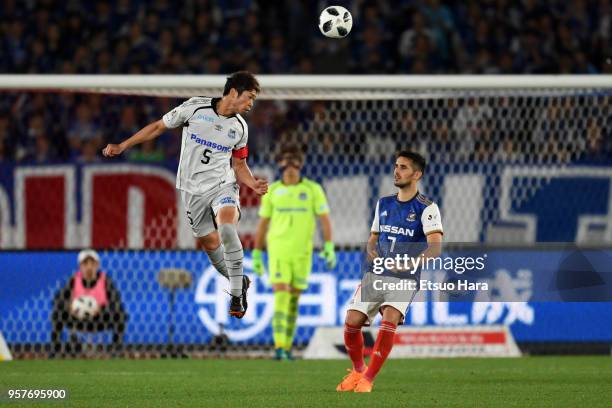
(335, 22)
(84, 307)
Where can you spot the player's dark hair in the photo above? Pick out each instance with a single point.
(241, 81)
(292, 150)
(417, 160)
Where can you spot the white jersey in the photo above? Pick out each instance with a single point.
(208, 142)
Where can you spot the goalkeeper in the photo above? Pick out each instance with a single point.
(288, 216)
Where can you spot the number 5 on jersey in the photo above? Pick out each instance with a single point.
(206, 155)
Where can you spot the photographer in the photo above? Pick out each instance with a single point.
(108, 313)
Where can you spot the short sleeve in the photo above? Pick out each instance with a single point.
(179, 115)
(265, 209)
(431, 219)
(375, 222)
(242, 142)
(320, 201)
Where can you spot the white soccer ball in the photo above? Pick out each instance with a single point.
(335, 22)
(84, 307)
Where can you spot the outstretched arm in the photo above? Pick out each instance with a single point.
(149, 132)
(244, 175)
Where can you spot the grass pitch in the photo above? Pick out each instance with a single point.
(530, 381)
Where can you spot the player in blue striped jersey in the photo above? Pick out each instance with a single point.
(404, 223)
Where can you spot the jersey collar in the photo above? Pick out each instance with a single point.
(407, 201)
(213, 105)
(291, 185)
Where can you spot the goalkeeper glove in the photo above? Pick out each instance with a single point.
(329, 254)
(258, 265)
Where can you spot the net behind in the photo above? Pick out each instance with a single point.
(501, 162)
(492, 156)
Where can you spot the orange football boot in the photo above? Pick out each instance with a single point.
(350, 380)
(363, 385)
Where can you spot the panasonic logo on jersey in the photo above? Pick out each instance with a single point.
(208, 143)
(394, 229)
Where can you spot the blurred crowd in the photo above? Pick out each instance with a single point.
(214, 37)
(389, 36)
(50, 127)
(518, 128)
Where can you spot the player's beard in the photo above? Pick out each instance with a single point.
(402, 184)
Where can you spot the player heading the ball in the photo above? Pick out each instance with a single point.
(214, 135)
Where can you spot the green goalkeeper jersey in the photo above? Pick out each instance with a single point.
(292, 210)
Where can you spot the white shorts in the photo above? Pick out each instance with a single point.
(377, 299)
(201, 210)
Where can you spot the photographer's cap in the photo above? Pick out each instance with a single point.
(88, 253)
